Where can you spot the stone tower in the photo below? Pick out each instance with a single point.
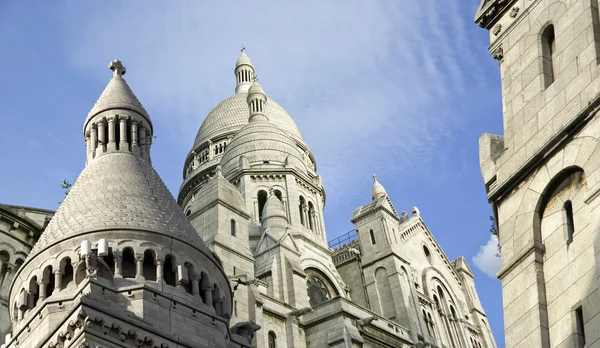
(541, 174)
(406, 277)
(119, 265)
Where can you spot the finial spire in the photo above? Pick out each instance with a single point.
(255, 78)
(378, 190)
(243, 48)
(117, 68)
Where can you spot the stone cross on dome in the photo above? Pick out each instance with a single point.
(255, 78)
(243, 48)
(117, 68)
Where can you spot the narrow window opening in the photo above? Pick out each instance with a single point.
(169, 270)
(568, 207)
(149, 265)
(233, 227)
(262, 199)
(272, 340)
(372, 235)
(117, 133)
(278, 195)
(49, 281)
(128, 264)
(548, 55)
(580, 327)
(67, 273)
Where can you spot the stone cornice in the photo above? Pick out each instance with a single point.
(546, 151)
(490, 11)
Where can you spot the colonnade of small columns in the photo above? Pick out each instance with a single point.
(124, 264)
(118, 133)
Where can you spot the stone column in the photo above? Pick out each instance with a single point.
(210, 150)
(208, 300)
(134, 137)
(118, 259)
(139, 268)
(195, 286)
(111, 134)
(143, 141)
(94, 140)
(123, 145)
(159, 270)
(256, 213)
(101, 136)
(42, 290)
(88, 142)
(218, 304)
(57, 280)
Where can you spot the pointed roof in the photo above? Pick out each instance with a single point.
(119, 192)
(117, 95)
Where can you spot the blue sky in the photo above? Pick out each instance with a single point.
(399, 88)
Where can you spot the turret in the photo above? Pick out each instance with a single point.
(244, 72)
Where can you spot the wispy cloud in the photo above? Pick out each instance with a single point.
(487, 259)
(370, 87)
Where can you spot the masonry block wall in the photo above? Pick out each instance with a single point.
(542, 174)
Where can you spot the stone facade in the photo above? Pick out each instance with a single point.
(542, 174)
(244, 247)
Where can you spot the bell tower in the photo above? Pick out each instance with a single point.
(540, 173)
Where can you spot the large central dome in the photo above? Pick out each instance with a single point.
(231, 115)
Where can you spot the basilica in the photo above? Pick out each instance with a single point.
(239, 259)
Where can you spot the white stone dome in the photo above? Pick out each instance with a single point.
(230, 115)
(262, 143)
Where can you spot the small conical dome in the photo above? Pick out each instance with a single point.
(273, 208)
(117, 95)
(274, 215)
(378, 189)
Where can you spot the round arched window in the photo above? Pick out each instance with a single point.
(317, 291)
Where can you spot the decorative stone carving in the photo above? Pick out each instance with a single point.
(514, 12)
(245, 330)
(497, 29)
(498, 53)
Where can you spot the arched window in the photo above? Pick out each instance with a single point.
(568, 209)
(272, 340)
(190, 272)
(204, 285)
(217, 300)
(427, 253)
(548, 55)
(432, 325)
(110, 261)
(67, 270)
(372, 235)
(427, 323)
(188, 212)
(149, 268)
(34, 291)
(262, 199)
(232, 227)
(128, 263)
(302, 208)
(4, 258)
(278, 195)
(49, 280)
(169, 270)
(18, 264)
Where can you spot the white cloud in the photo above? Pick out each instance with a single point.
(487, 259)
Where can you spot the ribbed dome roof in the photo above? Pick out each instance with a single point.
(232, 114)
(119, 191)
(117, 95)
(260, 142)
